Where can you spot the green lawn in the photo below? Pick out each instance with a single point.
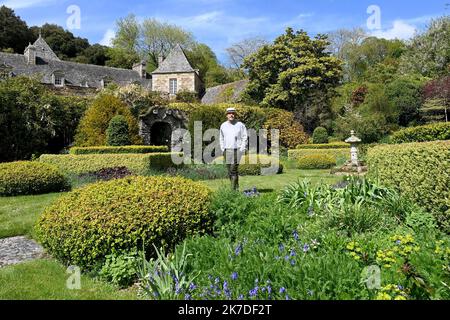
(277, 182)
(46, 280)
(18, 214)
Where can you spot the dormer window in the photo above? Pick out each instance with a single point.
(173, 86)
(106, 81)
(5, 71)
(58, 79)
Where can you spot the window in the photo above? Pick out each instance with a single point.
(58, 80)
(173, 86)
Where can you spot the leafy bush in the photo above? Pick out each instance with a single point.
(117, 133)
(26, 177)
(187, 96)
(316, 161)
(92, 128)
(85, 163)
(420, 171)
(120, 268)
(430, 132)
(34, 120)
(334, 145)
(122, 149)
(87, 224)
(320, 135)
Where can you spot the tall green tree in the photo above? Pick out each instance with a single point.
(14, 32)
(293, 73)
(429, 53)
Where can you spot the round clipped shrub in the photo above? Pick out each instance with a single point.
(320, 135)
(117, 133)
(29, 177)
(90, 223)
(316, 161)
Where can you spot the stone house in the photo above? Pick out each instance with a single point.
(174, 73)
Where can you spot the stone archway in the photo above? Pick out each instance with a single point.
(161, 134)
(158, 123)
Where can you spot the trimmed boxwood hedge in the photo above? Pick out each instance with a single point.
(420, 171)
(337, 154)
(121, 149)
(430, 132)
(30, 177)
(136, 163)
(87, 224)
(316, 161)
(333, 145)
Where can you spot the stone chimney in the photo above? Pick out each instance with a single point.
(141, 68)
(30, 54)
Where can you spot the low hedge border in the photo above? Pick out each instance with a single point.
(316, 161)
(30, 177)
(337, 154)
(136, 163)
(333, 145)
(420, 171)
(118, 150)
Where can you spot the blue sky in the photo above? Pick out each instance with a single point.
(219, 23)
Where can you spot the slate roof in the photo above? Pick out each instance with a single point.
(75, 74)
(225, 93)
(176, 61)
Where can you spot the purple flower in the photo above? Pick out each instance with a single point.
(187, 297)
(310, 211)
(287, 297)
(269, 289)
(293, 253)
(282, 290)
(253, 292)
(217, 280)
(241, 297)
(225, 285)
(306, 248)
(292, 262)
(295, 235)
(400, 287)
(238, 250)
(281, 247)
(192, 286)
(398, 242)
(234, 276)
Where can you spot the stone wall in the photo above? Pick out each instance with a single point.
(186, 82)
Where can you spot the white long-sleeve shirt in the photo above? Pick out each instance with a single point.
(233, 136)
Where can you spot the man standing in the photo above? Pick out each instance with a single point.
(233, 143)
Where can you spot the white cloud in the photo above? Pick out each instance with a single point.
(21, 4)
(107, 37)
(400, 30)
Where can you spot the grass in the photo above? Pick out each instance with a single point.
(18, 214)
(277, 182)
(46, 280)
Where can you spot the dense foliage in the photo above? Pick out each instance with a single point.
(430, 132)
(26, 177)
(92, 128)
(420, 171)
(118, 133)
(339, 155)
(34, 120)
(87, 224)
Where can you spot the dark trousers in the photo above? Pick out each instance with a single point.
(232, 158)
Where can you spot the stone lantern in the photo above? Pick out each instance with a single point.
(354, 141)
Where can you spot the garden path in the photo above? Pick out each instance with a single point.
(19, 249)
